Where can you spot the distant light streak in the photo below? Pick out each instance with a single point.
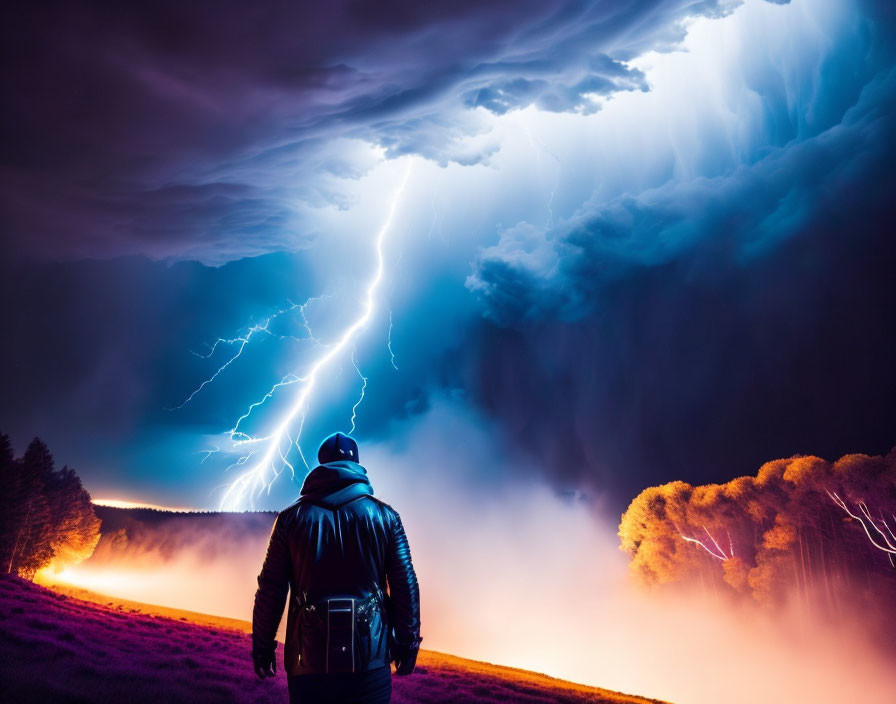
(261, 475)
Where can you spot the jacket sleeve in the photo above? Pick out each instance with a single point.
(273, 588)
(403, 588)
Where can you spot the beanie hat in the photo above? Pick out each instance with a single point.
(338, 447)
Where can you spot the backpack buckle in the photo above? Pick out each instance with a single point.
(341, 614)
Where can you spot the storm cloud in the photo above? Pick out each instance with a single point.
(201, 131)
(675, 333)
(644, 241)
(740, 216)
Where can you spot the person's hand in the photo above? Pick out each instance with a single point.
(265, 664)
(405, 658)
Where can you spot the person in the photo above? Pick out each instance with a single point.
(354, 606)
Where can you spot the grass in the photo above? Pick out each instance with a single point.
(69, 645)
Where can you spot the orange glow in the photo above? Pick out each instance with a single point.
(105, 580)
(178, 581)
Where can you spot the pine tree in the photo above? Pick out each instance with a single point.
(10, 501)
(32, 548)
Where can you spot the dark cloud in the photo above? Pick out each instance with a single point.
(532, 273)
(439, 138)
(668, 334)
(704, 327)
(603, 77)
(104, 347)
(111, 106)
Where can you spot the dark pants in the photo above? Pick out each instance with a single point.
(371, 687)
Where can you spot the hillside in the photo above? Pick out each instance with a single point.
(57, 648)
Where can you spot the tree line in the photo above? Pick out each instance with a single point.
(45, 514)
(821, 532)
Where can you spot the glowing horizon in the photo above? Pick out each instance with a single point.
(127, 503)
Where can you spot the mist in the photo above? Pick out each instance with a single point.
(197, 562)
(519, 573)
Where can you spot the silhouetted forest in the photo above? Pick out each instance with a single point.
(130, 533)
(45, 514)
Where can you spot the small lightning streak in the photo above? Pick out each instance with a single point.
(533, 140)
(363, 388)
(207, 453)
(551, 207)
(720, 555)
(389, 344)
(243, 341)
(254, 481)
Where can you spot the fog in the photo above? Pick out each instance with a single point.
(515, 573)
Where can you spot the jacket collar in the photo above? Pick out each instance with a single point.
(335, 483)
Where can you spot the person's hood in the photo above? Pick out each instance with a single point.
(335, 483)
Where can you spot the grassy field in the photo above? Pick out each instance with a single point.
(69, 645)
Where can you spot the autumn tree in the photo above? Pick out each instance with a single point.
(823, 533)
(76, 528)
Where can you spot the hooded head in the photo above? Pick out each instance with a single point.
(338, 478)
(338, 447)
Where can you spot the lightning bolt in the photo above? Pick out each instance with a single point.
(718, 553)
(207, 453)
(243, 341)
(389, 344)
(261, 475)
(363, 388)
(876, 536)
(533, 141)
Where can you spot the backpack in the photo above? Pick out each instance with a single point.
(343, 632)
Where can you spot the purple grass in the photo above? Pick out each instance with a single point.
(55, 648)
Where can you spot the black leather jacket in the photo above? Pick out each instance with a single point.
(337, 540)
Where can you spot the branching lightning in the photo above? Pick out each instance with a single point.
(262, 473)
(718, 552)
(243, 340)
(874, 527)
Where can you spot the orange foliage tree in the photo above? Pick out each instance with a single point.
(802, 527)
(45, 515)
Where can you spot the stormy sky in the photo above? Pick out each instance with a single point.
(639, 240)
